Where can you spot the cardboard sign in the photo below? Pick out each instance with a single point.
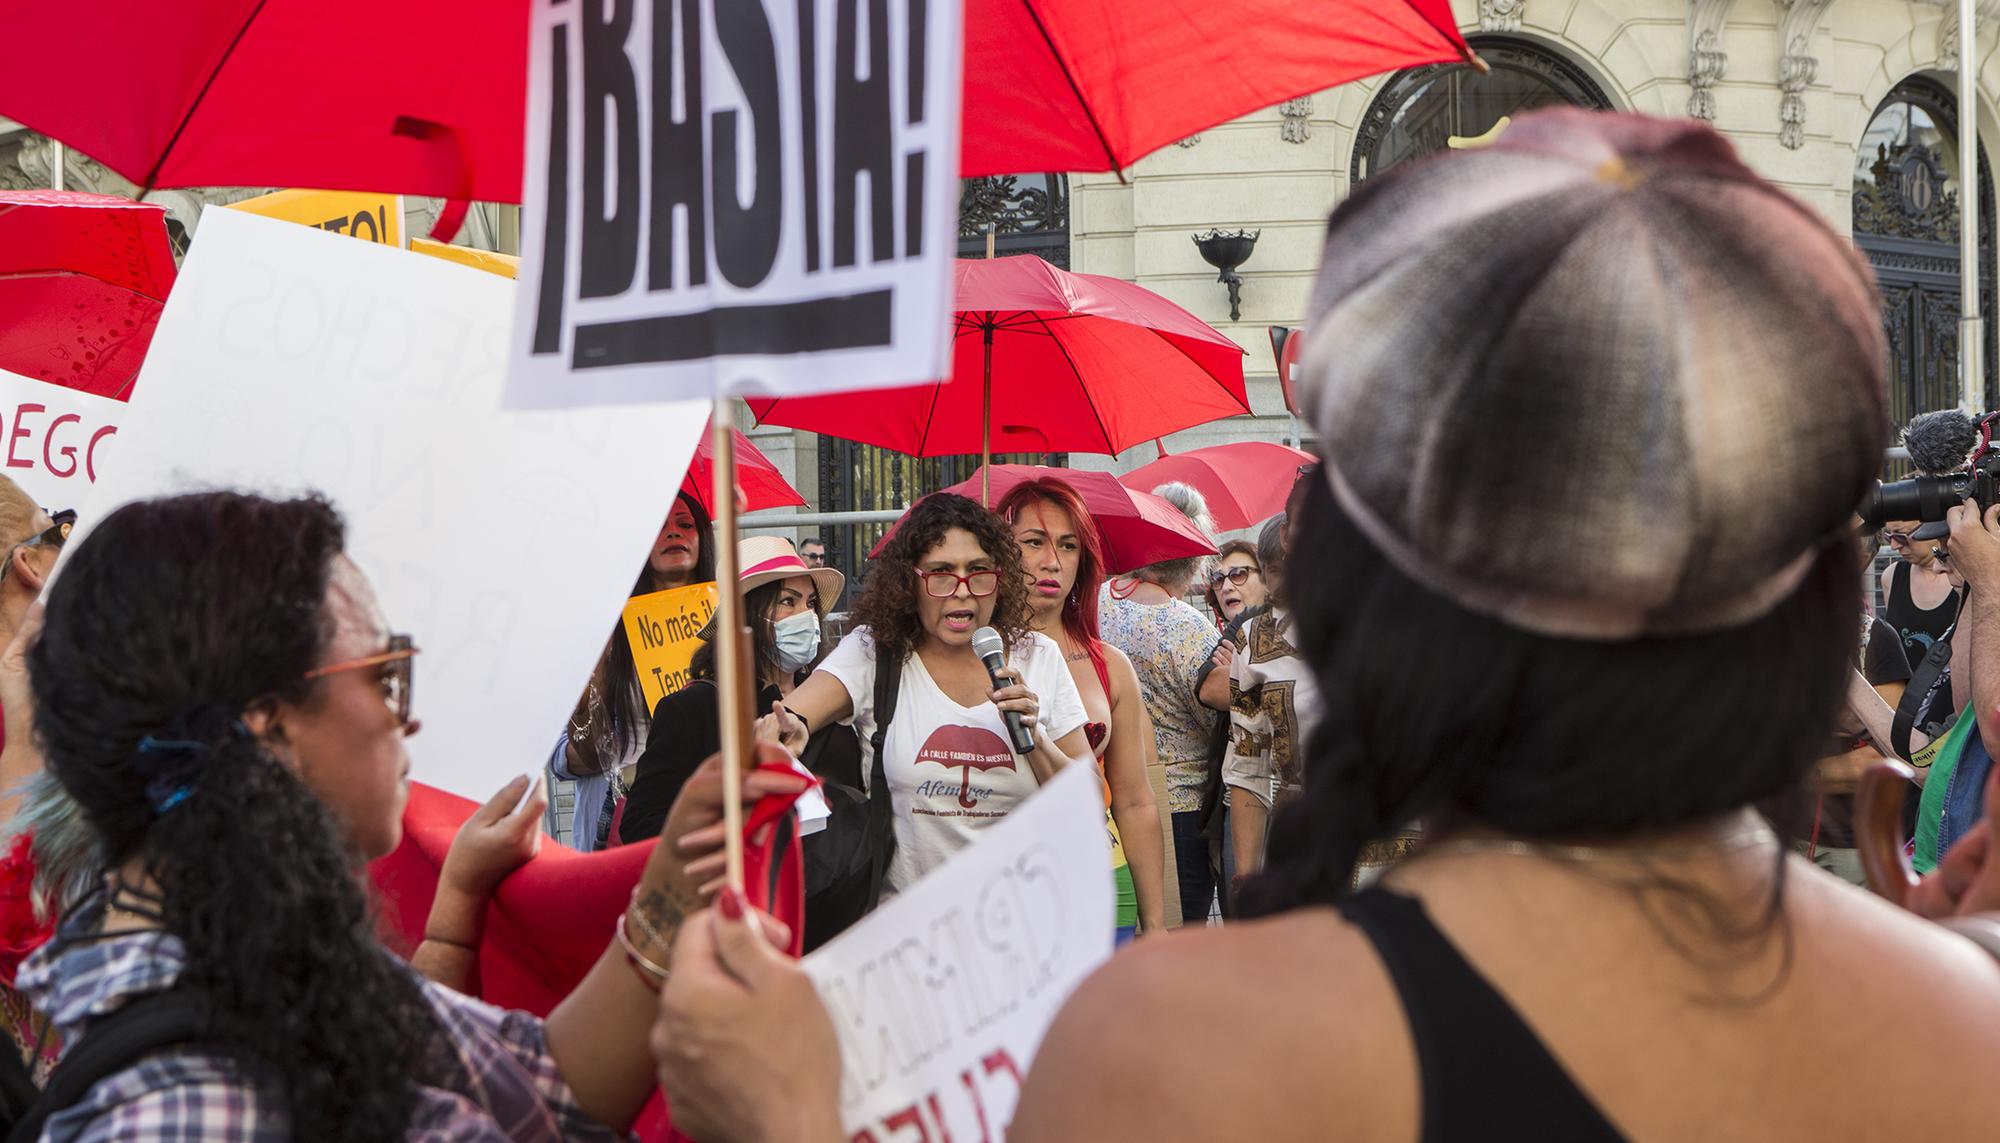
(291, 360)
(53, 440)
(664, 629)
(491, 261)
(369, 217)
(736, 196)
(942, 996)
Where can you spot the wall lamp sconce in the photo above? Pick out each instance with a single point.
(1225, 250)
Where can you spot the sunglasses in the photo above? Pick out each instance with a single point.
(397, 681)
(944, 584)
(1895, 537)
(1237, 576)
(54, 536)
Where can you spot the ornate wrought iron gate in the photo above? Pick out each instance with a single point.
(1906, 223)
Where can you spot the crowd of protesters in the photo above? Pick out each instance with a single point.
(1430, 781)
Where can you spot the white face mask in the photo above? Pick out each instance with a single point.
(796, 639)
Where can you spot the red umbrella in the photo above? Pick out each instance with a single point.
(1052, 362)
(1243, 482)
(1138, 528)
(428, 98)
(763, 486)
(82, 280)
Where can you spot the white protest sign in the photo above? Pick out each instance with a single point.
(290, 359)
(736, 196)
(942, 996)
(53, 440)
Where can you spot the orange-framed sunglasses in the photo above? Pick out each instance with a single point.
(397, 681)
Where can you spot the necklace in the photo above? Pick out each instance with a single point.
(1750, 833)
(1130, 589)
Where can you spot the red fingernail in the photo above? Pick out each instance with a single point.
(730, 901)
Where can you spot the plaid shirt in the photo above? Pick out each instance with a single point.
(511, 1091)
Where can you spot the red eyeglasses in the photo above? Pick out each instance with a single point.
(980, 583)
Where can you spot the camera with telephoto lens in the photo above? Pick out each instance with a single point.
(1927, 498)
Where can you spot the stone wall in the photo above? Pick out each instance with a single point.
(1792, 82)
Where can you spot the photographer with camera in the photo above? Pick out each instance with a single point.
(1953, 766)
(1918, 599)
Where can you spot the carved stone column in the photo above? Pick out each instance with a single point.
(1706, 59)
(1796, 65)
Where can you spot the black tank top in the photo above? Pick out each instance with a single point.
(1920, 629)
(1483, 1072)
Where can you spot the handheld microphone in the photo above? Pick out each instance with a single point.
(991, 651)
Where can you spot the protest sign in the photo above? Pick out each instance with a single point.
(664, 629)
(491, 261)
(942, 996)
(369, 217)
(53, 440)
(290, 360)
(754, 196)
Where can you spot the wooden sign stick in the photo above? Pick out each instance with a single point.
(733, 669)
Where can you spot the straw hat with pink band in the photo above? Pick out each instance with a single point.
(766, 559)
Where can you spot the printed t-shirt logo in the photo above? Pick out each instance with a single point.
(967, 748)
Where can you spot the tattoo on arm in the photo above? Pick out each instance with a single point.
(662, 908)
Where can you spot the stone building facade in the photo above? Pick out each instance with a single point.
(1848, 104)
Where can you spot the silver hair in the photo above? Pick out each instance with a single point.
(69, 864)
(1176, 575)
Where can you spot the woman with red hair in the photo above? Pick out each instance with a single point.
(1064, 561)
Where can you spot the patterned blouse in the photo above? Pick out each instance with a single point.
(1168, 643)
(509, 1088)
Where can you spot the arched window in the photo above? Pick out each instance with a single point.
(1906, 222)
(1418, 110)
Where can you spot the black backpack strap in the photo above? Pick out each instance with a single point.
(116, 1042)
(1925, 679)
(881, 814)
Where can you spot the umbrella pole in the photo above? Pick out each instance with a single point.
(733, 668)
(986, 424)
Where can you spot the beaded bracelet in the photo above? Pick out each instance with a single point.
(650, 974)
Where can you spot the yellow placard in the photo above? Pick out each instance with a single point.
(505, 265)
(369, 217)
(664, 630)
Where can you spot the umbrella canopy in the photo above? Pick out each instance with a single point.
(1138, 528)
(82, 280)
(1244, 482)
(1077, 363)
(428, 98)
(762, 484)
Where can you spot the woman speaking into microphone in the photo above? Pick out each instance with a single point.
(939, 721)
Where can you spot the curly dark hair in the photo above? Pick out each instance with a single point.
(214, 603)
(888, 606)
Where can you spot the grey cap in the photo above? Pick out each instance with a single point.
(1598, 380)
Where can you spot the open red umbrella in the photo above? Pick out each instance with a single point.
(1244, 482)
(1050, 361)
(762, 484)
(82, 280)
(1138, 528)
(429, 98)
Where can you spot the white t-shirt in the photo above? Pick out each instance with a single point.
(951, 770)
